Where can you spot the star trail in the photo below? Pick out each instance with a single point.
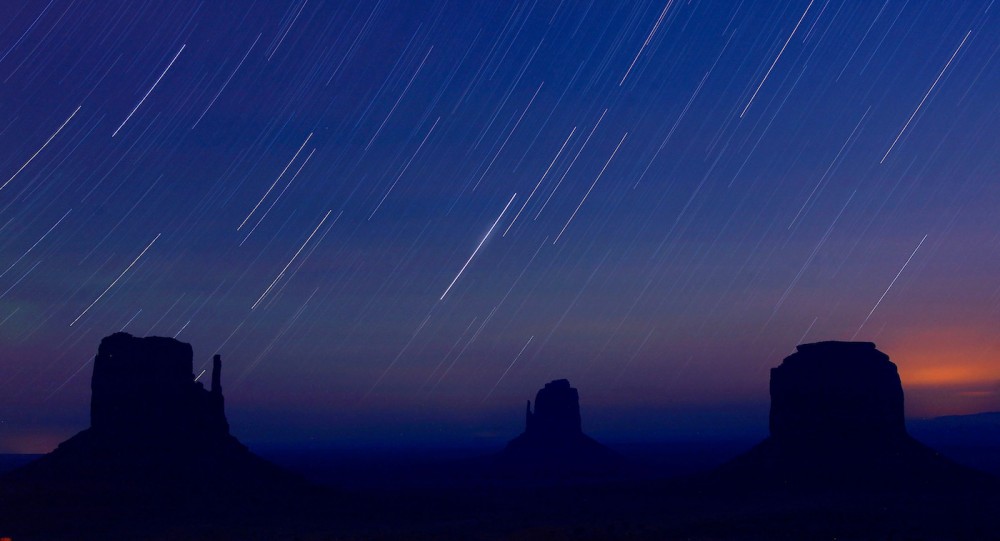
(382, 212)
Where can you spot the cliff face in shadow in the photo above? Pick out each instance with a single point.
(553, 442)
(143, 389)
(155, 432)
(836, 422)
(836, 392)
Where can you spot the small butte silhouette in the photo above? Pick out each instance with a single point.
(553, 443)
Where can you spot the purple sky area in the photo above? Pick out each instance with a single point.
(396, 220)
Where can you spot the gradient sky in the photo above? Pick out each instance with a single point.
(396, 220)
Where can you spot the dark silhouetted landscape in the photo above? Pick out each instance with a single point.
(158, 462)
(682, 270)
(553, 443)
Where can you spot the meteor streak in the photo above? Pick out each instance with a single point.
(476, 251)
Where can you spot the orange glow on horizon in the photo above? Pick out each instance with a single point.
(947, 375)
(32, 442)
(947, 371)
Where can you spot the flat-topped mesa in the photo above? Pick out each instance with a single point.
(837, 423)
(155, 433)
(557, 411)
(836, 391)
(144, 388)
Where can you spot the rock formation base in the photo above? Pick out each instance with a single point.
(155, 434)
(836, 422)
(553, 442)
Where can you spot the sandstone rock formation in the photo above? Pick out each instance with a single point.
(155, 432)
(840, 391)
(144, 389)
(553, 442)
(836, 421)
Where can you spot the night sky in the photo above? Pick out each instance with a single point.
(396, 220)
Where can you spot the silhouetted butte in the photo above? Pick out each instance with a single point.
(155, 432)
(836, 422)
(553, 442)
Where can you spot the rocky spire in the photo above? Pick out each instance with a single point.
(217, 374)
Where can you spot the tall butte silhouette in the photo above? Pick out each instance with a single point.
(836, 423)
(553, 442)
(155, 433)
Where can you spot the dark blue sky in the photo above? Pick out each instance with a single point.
(397, 220)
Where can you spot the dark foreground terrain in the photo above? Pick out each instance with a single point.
(454, 494)
(838, 463)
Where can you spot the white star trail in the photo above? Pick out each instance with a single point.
(136, 108)
(571, 164)
(19, 280)
(577, 209)
(768, 74)
(480, 245)
(47, 141)
(130, 265)
(225, 84)
(278, 197)
(645, 43)
(926, 94)
(516, 357)
(290, 261)
(275, 183)
(886, 292)
(539, 183)
(405, 167)
(26, 252)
